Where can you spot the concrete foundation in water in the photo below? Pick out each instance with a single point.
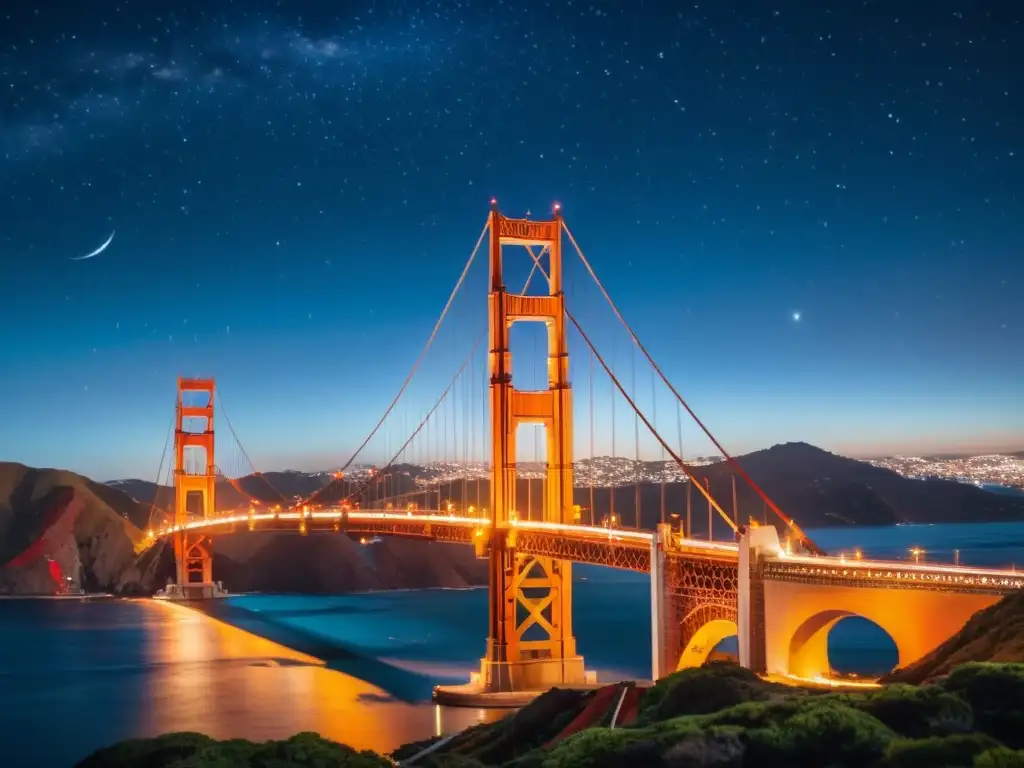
(471, 694)
(187, 592)
(474, 694)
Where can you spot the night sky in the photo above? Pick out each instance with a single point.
(811, 212)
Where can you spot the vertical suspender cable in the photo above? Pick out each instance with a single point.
(661, 465)
(611, 489)
(636, 443)
(629, 401)
(591, 467)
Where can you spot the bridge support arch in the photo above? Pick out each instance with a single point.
(693, 608)
(194, 485)
(799, 614)
(703, 642)
(530, 645)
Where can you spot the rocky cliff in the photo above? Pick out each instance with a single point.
(53, 516)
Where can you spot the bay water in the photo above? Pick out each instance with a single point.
(79, 675)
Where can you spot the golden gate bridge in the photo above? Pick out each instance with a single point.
(456, 468)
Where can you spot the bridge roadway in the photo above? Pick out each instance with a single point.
(612, 547)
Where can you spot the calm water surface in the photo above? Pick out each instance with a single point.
(76, 676)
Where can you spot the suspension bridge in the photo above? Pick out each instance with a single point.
(494, 465)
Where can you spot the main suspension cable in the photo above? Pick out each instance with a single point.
(412, 371)
(423, 422)
(639, 413)
(159, 471)
(245, 455)
(617, 385)
(455, 378)
(423, 352)
(804, 539)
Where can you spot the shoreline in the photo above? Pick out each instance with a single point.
(92, 596)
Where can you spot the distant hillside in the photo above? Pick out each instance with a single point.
(271, 487)
(821, 489)
(817, 488)
(97, 552)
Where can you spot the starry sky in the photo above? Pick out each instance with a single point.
(811, 213)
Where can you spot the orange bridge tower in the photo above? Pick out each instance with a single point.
(194, 482)
(530, 644)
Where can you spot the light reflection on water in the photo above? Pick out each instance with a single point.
(100, 672)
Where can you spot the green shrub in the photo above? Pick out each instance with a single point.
(193, 750)
(954, 751)
(604, 748)
(534, 759)
(996, 694)
(914, 712)
(159, 752)
(712, 748)
(449, 761)
(406, 751)
(1000, 757)
(309, 750)
(823, 733)
(758, 714)
(700, 690)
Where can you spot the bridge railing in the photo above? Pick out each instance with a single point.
(891, 573)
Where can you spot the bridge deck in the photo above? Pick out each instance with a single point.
(611, 547)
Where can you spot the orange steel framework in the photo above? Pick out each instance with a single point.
(528, 593)
(192, 555)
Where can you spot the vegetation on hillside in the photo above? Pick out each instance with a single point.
(192, 750)
(716, 716)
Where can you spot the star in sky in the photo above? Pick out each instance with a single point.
(311, 175)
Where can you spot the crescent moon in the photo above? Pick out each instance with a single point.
(97, 252)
